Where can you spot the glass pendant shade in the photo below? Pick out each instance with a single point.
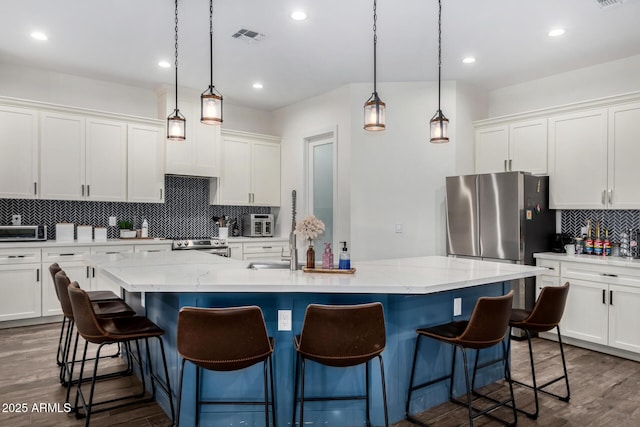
(374, 117)
(439, 128)
(176, 126)
(211, 107)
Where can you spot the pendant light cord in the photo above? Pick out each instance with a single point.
(439, 48)
(211, 41)
(375, 44)
(176, 46)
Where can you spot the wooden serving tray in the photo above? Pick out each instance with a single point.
(328, 270)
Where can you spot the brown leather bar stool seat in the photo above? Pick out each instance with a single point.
(340, 336)
(102, 331)
(486, 328)
(225, 339)
(103, 309)
(545, 316)
(94, 295)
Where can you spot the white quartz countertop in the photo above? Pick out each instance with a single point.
(590, 259)
(193, 271)
(75, 243)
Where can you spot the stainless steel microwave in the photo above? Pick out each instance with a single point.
(22, 233)
(258, 225)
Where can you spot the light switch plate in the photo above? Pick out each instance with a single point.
(284, 320)
(398, 227)
(457, 306)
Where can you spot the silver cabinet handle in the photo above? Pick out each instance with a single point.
(37, 274)
(88, 272)
(35, 188)
(88, 190)
(604, 196)
(510, 164)
(161, 194)
(249, 197)
(505, 165)
(610, 196)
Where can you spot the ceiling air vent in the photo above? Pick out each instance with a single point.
(248, 35)
(608, 3)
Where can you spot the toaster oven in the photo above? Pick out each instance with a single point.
(258, 225)
(22, 233)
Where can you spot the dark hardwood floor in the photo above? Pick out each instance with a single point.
(605, 390)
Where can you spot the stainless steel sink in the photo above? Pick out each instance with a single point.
(268, 265)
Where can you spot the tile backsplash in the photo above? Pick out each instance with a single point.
(186, 212)
(616, 221)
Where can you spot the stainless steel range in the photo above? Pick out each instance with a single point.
(215, 246)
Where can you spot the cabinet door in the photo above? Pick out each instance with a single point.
(62, 156)
(624, 154)
(19, 148)
(528, 146)
(100, 281)
(586, 313)
(265, 176)
(235, 250)
(76, 271)
(145, 148)
(492, 149)
(106, 151)
(20, 291)
(235, 182)
(578, 160)
(624, 317)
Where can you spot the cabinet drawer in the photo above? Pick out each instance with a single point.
(160, 247)
(601, 274)
(553, 266)
(263, 247)
(115, 249)
(19, 256)
(64, 254)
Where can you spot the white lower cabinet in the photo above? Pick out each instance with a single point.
(20, 284)
(235, 250)
(624, 317)
(101, 282)
(586, 313)
(262, 250)
(71, 260)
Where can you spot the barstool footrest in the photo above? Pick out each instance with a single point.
(487, 412)
(541, 387)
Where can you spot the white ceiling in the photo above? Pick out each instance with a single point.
(123, 40)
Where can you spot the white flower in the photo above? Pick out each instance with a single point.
(310, 227)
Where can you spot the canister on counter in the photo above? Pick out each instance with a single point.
(579, 245)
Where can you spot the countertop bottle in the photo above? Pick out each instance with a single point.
(345, 260)
(327, 256)
(145, 229)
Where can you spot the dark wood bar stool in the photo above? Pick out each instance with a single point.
(225, 339)
(93, 295)
(545, 315)
(103, 309)
(102, 331)
(486, 327)
(340, 336)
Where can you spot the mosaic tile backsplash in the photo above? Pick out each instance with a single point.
(617, 221)
(186, 212)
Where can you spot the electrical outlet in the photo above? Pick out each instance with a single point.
(284, 320)
(399, 228)
(457, 306)
(112, 221)
(16, 219)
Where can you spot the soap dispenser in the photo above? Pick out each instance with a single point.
(145, 229)
(345, 260)
(327, 256)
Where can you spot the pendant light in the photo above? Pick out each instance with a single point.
(439, 123)
(176, 123)
(211, 100)
(374, 117)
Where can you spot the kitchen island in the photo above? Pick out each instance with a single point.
(415, 292)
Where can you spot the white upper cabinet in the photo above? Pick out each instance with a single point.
(82, 158)
(624, 153)
(199, 153)
(517, 146)
(19, 148)
(250, 170)
(62, 156)
(146, 163)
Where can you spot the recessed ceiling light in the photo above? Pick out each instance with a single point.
(164, 64)
(556, 32)
(257, 85)
(469, 60)
(39, 35)
(298, 15)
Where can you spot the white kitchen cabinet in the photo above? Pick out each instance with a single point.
(578, 160)
(19, 148)
(265, 251)
(100, 281)
(71, 260)
(20, 283)
(623, 191)
(624, 317)
(145, 163)
(586, 313)
(250, 170)
(235, 250)
(82, 158)
(518, 146)
(157, 247)
(199, 153)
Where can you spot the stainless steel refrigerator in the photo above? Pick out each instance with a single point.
(500, 217)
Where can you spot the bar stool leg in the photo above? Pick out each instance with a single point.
(266, 394)
(295, 390)
(177, 423)
(384, 392)
(197, 396)
(273, 394)
(564, 368)
(59, 353)
(407, 415)
(302, 395)
(466, 381)
(366, 382)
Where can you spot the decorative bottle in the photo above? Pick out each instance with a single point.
(311, 256)
(327, 256)
(345, 260)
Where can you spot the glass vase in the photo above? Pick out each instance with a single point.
(311, 256)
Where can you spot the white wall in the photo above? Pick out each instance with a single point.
(314, 116)
(598, 81)
(472, 103)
